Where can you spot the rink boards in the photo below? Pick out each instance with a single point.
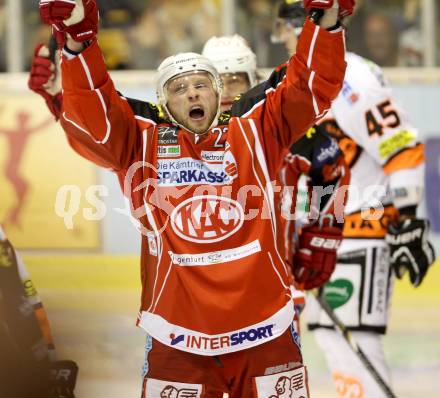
(92, 303)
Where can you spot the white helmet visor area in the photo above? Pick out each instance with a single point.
(233, 77)
(180, 84)
(282, 28)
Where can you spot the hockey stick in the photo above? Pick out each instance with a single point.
(53, 47)
(348, 337)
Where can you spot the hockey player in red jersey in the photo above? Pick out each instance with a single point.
(216, 300)
(382, 234)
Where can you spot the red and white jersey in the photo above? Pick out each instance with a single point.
(213, 278)
(380, 146)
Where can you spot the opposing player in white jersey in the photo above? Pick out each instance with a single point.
(383, 236)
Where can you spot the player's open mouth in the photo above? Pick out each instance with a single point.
(227, 103)
(197, 113)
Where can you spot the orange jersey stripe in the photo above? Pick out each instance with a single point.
(41, 316)
(407, 159)
(358, 226)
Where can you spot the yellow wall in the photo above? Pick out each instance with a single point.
(46, 164)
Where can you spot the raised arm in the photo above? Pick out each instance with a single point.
(295, 98)
(99, 123)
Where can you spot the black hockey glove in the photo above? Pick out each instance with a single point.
(63, 379)
(410, 249)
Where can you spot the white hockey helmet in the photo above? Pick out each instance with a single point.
(232, 54)
(180, 64)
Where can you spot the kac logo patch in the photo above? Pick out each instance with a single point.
(207, 219)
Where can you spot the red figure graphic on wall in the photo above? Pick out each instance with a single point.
(17, 140)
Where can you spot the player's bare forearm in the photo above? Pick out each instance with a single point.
(329, 19)
(74, 46)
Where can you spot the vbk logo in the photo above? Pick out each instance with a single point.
(207, 219)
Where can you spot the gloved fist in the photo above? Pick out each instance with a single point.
(78, 18)
(319, 4)
(315, 258)
(63, 379)
(44, 80)
(410, 249)
(345, 6)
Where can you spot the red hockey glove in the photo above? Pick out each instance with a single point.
(43, 81)
(319, 4)
(315, 259)
(78, 18)
(345, 6)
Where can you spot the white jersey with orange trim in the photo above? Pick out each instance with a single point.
(380, 145)
(386, 161)
(212, 275)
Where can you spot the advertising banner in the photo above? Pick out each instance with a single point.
(36, 162)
